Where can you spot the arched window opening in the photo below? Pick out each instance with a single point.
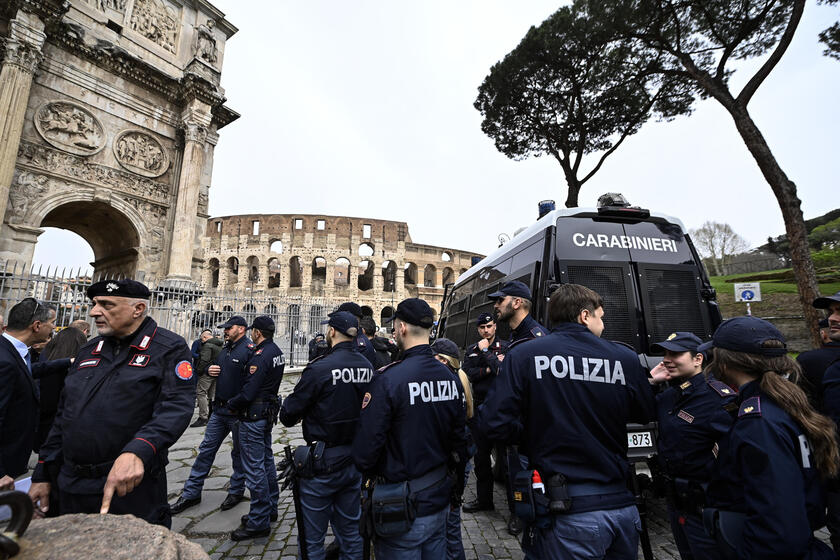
(253, 269)
(270, 310)
(295, 273)
(446, 256)
(365, 275)
(316, 315)
(276, 247)
(448, 276)
(233, 270)
(273, 273)
(342, 272)
(367, 311)
(319, 275)
(389, 276)
(214, 273)
(365, 250)
(385, 316)
(410, 274)
(430, 276)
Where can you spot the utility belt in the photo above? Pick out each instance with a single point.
(727, 528)
(687, 496)
(391, 507)
(221, 406)
(261, 409)
(97, 470)
(319, 459)
(536, 501)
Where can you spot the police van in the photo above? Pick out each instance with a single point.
(643, 265)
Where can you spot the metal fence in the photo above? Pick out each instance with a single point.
(179, 307)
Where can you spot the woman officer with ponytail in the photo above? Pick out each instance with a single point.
(766, 498)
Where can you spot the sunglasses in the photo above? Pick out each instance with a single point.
(34, 311)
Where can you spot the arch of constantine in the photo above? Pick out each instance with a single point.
(372, 262)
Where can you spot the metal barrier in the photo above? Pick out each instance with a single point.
(183, 307)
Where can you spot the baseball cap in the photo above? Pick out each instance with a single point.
(344, 322)
(263, 323)
(746, 334)
(234, 321)
(483, 319)
(514, 288)
(352, 308)
(677, 342)
(826, 301)
(445, 347)
(415, 311)
(119, 288)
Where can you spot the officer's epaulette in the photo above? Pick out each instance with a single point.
(750, 407)
(251, 345)
(520, 341)
(316, 358)
(386, 366)
(721, 388)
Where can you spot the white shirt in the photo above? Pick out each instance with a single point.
(22, 348)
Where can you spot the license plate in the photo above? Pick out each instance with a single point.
(640, 439)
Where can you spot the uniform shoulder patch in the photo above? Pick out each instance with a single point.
(251, 345)
(537, 331)
(258, 352)
(750, 407)
(184, 370)
(366, 400)
(685, 385)
(386, 366)
(721, 388)
(253, 370)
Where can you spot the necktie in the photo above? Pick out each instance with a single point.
(28, 361)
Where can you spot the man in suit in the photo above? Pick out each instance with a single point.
(29, 322)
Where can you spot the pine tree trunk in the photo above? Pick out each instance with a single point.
(790, 205)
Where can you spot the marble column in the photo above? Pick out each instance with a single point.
(189, 186)
(21, 59)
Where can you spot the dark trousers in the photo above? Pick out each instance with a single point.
(147, 501)
(832, 519)
(484, 471)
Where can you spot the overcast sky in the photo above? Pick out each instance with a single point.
(365, 108)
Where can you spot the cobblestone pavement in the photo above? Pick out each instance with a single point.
(484, 534)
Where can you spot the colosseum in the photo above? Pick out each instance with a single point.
(372, 262)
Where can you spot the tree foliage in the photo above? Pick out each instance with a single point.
(831, 36)
(718, 243)
(570, 89)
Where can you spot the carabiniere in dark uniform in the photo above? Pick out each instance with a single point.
(122, 395)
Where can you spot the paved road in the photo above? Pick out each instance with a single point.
(485, 533)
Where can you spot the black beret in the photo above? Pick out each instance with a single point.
(119, 288)
(415, 311)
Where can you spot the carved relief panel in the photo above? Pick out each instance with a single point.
(70, 127)
(157, 22)
(141, 153)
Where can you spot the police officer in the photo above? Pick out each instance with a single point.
(257, 406)
(328, 398)
(412, 420)
(693, 414)
(481, 364)
(569, 395)
(385, 350)
(765, 499)
(365, 347)
(512, 305)
(128, 397)
(230, 369)
(815, 362)
(317, 346)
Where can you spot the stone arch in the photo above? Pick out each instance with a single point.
(462, 271)
(366, 249)
(276, 246)
(386, 314)
(295, 272)
(446, 256)
(232, 270)
(95, 221)
(270, 310)
(365, 281)
(250, 311)
(447, 277)
(367, 311)
(274, 271)
(253, 263)
(316, 315)
(389, 276)
(342, 272)
(213, 264)
(430, 276)
(319, 275)
(293, 319)
(410, 274)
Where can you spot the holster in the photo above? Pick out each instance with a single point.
(727, 528)
(258, 410)
(308, 458)
(393, 510)
(530, 506)
(687, 495)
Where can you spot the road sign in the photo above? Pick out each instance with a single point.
(748, 292)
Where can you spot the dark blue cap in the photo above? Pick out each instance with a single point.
(236, 320)
(446, 347)
(826, 301)
(746, 334)
(119, 288)
(344, 322)
(263, 323)
(352, 308)
(415, 311)
(677, 342)
(483, 319)
(515, 289)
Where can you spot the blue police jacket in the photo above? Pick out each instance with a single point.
(526, 330)
(232, 359)
(814, 365)
(328, 396)
(413, 417)
(831, 392)
(568, 397)
(263, 374)
(131, 395)
(693, 416)
(365, 347)
(765, 470)
(482, 367)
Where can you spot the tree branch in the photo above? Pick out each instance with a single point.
(762, 73)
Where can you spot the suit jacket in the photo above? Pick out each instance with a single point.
(19, 407)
